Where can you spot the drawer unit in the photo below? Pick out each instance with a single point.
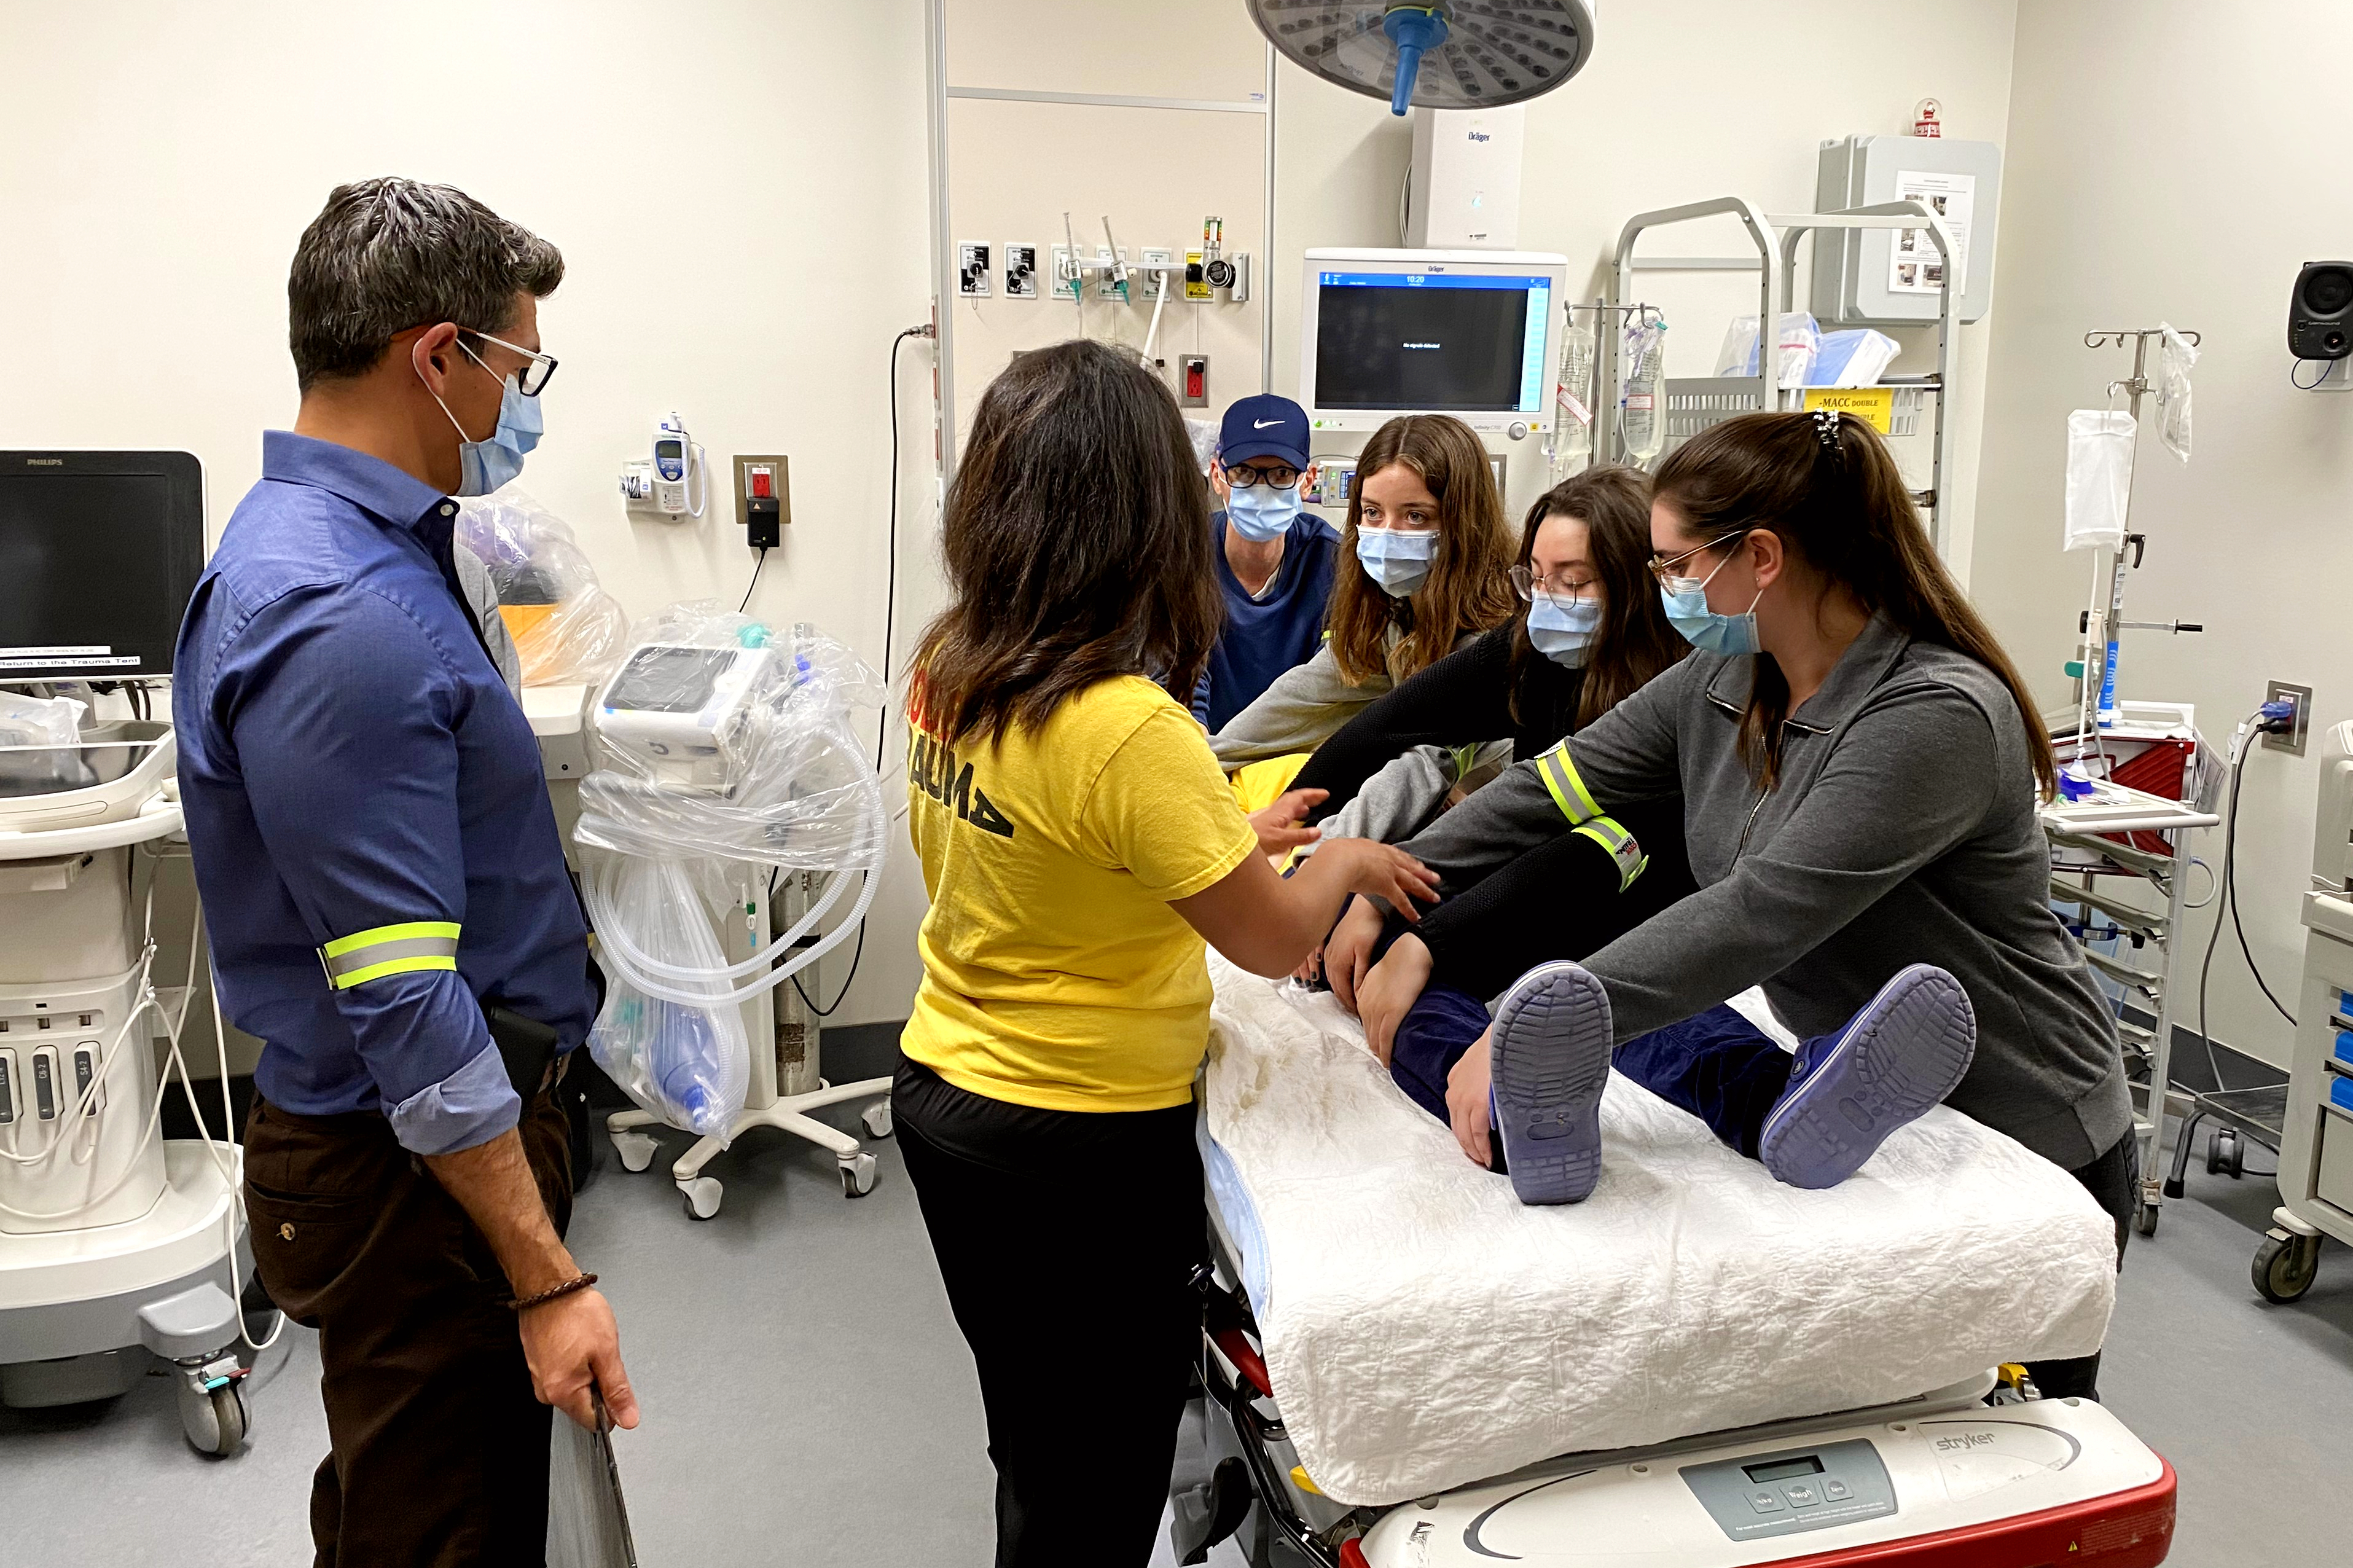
(2335, 1183)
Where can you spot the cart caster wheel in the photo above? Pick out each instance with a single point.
(215, 1422)
(2235, 1160)
(877, 1117)
(2145, 1218)
(858, 1176)
(2285, 1267)
(2215, 1144)
(636, 1150)
(702, 1195)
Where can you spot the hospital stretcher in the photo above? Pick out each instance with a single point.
(1341, 1426)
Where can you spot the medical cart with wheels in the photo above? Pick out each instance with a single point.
(2118, 832)
(113, 1241)
(785, 1083)
(2316, 1171)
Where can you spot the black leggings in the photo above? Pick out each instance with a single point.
(1067, 1241)
(2112, 1180)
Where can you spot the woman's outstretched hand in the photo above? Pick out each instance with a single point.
(1278, 826)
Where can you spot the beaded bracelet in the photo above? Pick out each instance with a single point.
(580, 1282)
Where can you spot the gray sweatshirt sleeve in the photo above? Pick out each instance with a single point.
(1305, 707)
(1628, 754)
(1913, 775)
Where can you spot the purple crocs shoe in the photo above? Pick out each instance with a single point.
(1904, 1052)
(1551, 1062)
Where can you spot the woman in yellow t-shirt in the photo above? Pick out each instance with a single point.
(1079, 844)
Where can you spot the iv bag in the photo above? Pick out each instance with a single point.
(2176, 354)
(1572, 437)
(1644, 430)
(2099, 477)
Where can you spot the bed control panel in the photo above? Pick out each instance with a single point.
(1758, 1496)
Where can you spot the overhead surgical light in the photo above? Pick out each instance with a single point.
(1479, 54)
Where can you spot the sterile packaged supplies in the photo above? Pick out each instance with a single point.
(2099, 478)
(50, 729)
(1800, 340)
(565, 627)
(2176, 354)
(1856, 357)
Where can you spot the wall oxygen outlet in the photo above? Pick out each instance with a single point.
(2290, 741)
(1021, 261)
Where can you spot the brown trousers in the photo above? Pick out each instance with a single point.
(438, 1448)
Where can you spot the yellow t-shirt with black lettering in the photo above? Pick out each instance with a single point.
(1055, 974)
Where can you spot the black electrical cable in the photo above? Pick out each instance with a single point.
(890, 612)
(2230, 906)
(756, 580)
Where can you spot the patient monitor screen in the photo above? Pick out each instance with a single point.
(1431, 342)
(90, 585)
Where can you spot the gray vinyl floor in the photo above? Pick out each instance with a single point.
(809, 1402)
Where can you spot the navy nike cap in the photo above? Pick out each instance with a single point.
(1264, 426)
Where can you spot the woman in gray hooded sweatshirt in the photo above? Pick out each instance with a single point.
(1860, 765)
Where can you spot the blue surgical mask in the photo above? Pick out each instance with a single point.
(1562, 630)
(1709, 630)
(1396, 558)
(483, 466)
(1260, 512)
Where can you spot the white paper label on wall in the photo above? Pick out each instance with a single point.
(1913, 264)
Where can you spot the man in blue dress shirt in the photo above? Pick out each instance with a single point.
(387, 897)
(1273, 557)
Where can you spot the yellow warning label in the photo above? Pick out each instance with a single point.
(1876, 404)
(1196, 290)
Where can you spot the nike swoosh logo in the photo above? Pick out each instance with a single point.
(1263, 424)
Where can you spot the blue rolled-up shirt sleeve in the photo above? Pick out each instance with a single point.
(343, 714)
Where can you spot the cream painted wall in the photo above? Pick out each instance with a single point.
(162, 161)
(743, 232)
(2162, 167)
(1684, 99)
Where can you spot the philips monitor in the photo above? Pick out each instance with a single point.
(1474, 333)
(99, 553)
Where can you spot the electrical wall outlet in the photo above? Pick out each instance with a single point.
(2291, 741)
(1192, 381)
(749, 471)
(971, 269)
(1020, 270)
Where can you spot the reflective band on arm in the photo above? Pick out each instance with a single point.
(397, 950)
(1623, 846)
(1569, 790)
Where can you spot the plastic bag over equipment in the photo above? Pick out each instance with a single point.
(726, 753)
(565, 627)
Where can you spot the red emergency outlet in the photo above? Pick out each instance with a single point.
(1196, 378)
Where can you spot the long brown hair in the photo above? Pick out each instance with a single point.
(1634, 641)
(1829, 487)
(1077, 542)
(1470, 587)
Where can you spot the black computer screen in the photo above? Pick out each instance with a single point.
(99, 553)
(1405, 342)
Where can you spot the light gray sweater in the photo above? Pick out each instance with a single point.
(1903, 830)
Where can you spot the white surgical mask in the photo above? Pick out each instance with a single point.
(1399, 560)
(1562, 630)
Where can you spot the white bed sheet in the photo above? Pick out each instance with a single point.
(1424, 1329)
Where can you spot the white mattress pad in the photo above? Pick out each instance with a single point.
(1424, 1329)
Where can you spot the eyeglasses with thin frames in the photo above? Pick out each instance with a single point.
(538, 370)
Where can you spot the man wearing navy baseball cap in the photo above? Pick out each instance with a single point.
(1274, 557)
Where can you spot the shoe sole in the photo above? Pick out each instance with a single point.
(1909, 1049)
(1551, 1062)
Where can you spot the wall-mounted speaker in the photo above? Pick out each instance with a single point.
(2320, 312)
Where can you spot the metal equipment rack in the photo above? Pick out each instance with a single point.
(1692, 403)
(2088, 827)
